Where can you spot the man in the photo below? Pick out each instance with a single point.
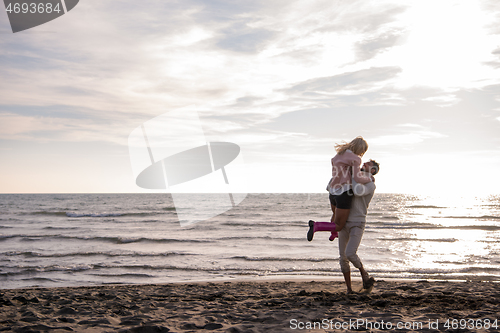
(351, 233)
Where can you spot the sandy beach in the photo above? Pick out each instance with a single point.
(253, 306)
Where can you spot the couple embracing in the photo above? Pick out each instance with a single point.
(351, 189)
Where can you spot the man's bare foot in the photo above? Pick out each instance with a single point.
(368, 283)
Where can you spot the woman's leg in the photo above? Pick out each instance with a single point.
(334, 228)
(321, 226)
(343, 207)
(340, 219)
(333, 235)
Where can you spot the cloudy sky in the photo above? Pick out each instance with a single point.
(285, 80)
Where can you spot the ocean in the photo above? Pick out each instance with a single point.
(56, 240)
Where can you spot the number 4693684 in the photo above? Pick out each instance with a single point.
(470, 324)
(32, 8)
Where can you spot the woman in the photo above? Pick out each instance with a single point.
(345, 168)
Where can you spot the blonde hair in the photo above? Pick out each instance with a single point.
(358, 146)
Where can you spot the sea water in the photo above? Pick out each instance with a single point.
(51, 240)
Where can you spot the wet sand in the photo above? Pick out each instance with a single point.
(254, 306)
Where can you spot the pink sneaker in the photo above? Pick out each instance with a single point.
(333, 235)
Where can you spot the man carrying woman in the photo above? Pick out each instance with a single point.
(354, 196)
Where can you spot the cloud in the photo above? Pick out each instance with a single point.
(62, 124)
(15, 127)
(407, 139)
(281, 78)
(138, 62)
(495, 63)
(411, 125)
(492, 7)
(370, 47)
(216, 11)
(364, 17)
(247, 101)
(351, 80)
(443, 100)
(242, 38)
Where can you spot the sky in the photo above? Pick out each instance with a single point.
(284, 80)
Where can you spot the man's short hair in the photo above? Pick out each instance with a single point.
(375, 166)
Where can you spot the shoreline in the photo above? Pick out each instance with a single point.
(262, 305)
(260, 279)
